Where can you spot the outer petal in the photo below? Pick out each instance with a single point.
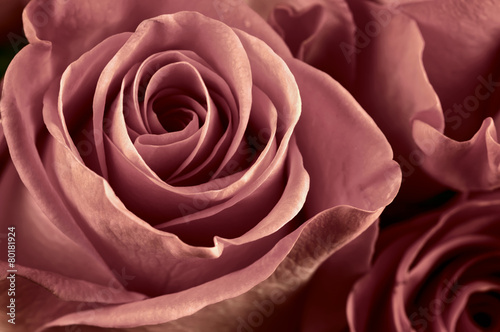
(311, 244)
(384, 64)
(462, 63)
(469, 165)
(74, 273)
(440, 75)
(320, 33)
(325, 309)
(459, 57)
(88, 22)
(347, 157)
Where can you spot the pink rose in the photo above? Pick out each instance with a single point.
(426, 71)
(11, 36)
(437, 272)
(438, 99)
(172, 156)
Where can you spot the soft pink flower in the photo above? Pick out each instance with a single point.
(426, 71)
(438, 272)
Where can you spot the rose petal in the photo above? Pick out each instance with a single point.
(442, 256)
(91, 21)
(320, 33)
(439, 74)
(331, 230)
(57, 270)
(325, 309)
(456, 55)
(56, 214)
(35, 302)
(344, 169)
(452, 162)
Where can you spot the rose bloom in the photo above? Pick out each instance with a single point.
(426, 71)
(171, 164)
(437, 272)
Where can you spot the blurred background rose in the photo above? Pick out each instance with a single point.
(437, 272)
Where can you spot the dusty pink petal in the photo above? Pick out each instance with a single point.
(307, 23)
(426, 278)
(337, 124)
(91, 21)
(107, 227)
(36, 305)
(174, 145)
(459, 57)
(321, 33)
(147, 149)
(72, 289)
(188, 79)
(147, 243)
(369, 302)
(75, 273)
(166, 159)
(420, 41)
(39, 225)
(82, 177)
(469, 254)
(453, 162)
(330, 230)
(57, 210)
(101, 215)
(67, 103)
(384, 64)
(273, 208)
(35, 302)
(18, 208)
(383, 69)
(186, 202)
(325, 309)
(120, 185)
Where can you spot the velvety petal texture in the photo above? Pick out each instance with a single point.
(437, 272)
(429, 77)
(327, 292)
(320, 33)
(174, 161)
(426, 71)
